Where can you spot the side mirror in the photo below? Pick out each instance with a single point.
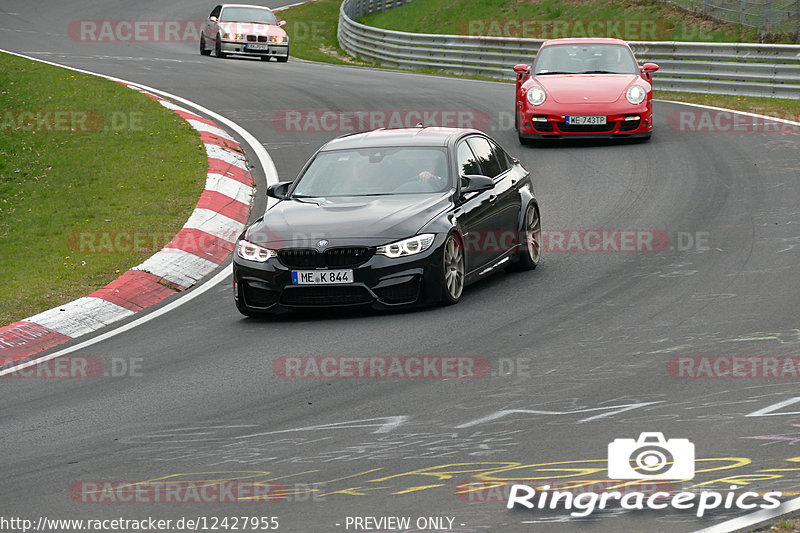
(212, 19)
(476, 183)
(649, 67)
(282, 23)
(521, 68)
(278, 190)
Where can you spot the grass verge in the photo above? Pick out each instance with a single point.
(84, 156)
(632, 20)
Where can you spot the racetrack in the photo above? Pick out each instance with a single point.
(584, 340)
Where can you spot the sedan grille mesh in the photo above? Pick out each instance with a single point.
(333, 258)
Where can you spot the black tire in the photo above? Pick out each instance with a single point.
(284, 59)
(265, 58)
(530, 256)
(218, 49)
(203, 51)
(452, 271)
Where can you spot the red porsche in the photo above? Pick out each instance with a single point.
(589, 87)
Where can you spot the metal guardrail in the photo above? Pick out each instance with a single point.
(764, 15)
(744, 69)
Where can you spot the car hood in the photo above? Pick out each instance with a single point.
(251, 28)
(586, 88)
(376, 219)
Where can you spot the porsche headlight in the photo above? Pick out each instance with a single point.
(635, 94)
(253, 252)
(536, 96)
(411, 246)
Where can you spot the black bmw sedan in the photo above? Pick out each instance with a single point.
(389, 218)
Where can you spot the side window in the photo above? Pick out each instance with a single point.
(503, 159)
(215, 12)
(485, 156)
(467, 164)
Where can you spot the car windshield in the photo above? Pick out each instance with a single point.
(375, 171)
(585, 59)
(247, 14)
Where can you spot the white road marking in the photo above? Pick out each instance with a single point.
(202, 126)
(80, 316)
(230, 188)
(750, 520)
(232, 158)
(215, 224)
(177, 266)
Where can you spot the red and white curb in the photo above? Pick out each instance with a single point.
(205, 241)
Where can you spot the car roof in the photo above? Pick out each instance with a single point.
(429, 136)
(244, 5)
(585, 40)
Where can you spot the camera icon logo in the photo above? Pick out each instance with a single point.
(651, 457)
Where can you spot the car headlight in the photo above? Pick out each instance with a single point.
(253, 252)
(233, 36)
(279, 39)
(635, 94)
(536, 96)
(411, 246)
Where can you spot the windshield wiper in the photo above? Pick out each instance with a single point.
(553, 72)
(598, 72)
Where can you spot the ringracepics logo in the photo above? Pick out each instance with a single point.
(650, 457)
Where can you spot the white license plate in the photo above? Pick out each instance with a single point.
(257, 47)
(586, 119)
(321, 277)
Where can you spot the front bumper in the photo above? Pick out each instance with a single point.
(243, 48)
(545, 122)
(380, 282)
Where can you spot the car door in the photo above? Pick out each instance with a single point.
(210, 28)
(504, 199)
(475, 212)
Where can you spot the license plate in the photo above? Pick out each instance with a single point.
(586, 119)
(321, 277)
(257, 47)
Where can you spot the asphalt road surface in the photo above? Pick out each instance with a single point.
(578, 349)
